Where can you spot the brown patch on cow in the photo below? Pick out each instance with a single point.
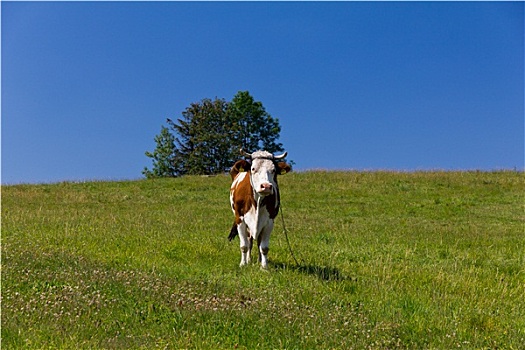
(269, 202)
(243, 199)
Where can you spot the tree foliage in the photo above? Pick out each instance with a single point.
(208, 137)
(201, 133)
(163, 156)
(253, 128)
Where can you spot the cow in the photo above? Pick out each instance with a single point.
(255, 201)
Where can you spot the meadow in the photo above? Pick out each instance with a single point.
(387, 260)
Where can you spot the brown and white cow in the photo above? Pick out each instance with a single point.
(254, 198)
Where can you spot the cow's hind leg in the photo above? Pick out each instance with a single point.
(246, 243)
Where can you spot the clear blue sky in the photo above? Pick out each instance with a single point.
(391, 85)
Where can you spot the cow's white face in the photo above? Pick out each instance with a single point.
(263, 174)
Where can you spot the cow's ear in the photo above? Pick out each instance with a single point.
(283, 168)
(239, 167)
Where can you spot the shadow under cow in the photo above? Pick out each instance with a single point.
(325, 273)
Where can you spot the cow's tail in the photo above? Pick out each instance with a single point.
(233, 232)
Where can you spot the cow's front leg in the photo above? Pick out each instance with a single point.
(246, 244)
(264, 244)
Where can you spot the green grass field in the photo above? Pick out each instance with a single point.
(424, 260)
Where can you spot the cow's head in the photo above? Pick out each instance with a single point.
(264, 168)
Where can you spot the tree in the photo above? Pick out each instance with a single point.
(163, 156)
(202, 131)
(252, 127)
(210, 134)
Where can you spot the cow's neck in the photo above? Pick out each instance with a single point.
(260, 210)
(259, 203)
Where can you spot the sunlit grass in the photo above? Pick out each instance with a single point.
(387, 260)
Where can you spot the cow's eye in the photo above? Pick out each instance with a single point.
(253, 169)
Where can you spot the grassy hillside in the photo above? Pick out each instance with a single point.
(387, 260)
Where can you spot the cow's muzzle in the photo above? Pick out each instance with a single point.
(265, 189)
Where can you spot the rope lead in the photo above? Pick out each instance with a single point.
(287, 240)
